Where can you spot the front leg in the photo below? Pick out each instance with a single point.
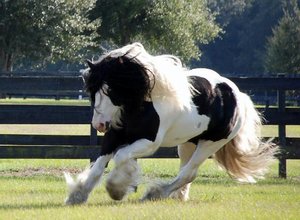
(137, 149)
(86, 181)
(123, 180)
(79, 190)
(125, 176)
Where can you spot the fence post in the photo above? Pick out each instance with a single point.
(93, 136)
(282, 132)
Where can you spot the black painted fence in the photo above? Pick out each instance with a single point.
(80, 147)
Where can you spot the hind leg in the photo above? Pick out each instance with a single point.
(185, 152)
(188, 172)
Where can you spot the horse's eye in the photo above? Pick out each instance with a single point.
(105, 91)
(109, 90)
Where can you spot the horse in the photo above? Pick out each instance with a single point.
(142, 102)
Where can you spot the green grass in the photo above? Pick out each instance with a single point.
(272, 131)
(84, 129)
(40, 195)
(34, 101)
(35, 189)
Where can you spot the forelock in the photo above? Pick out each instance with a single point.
(122, 72)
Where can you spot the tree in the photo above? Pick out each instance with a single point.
(44, 30)
(241, 49)
(174, 26)
(283, 47)
(228, 9)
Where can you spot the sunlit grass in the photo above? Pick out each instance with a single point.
(214, 195)
(84, 129)
(35, 101)
(35, 189)
(272, 131)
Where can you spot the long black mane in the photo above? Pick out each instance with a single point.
(128, 83)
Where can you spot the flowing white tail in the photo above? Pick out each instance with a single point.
(247, 156)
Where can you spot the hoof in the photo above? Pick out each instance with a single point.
(123, 180)
(154, 193)
(77, 193)
(115, 192)
(76, 198)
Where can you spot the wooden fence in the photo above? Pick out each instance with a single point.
(88, 146)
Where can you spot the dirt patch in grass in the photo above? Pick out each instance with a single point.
(28, 172)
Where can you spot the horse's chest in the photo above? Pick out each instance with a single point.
(144, 124)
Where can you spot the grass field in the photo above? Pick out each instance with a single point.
(35, 189)
(34, 101)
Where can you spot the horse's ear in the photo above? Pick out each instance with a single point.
(121, 61)
(85, 74)
(90, 64)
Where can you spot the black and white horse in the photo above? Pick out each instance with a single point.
(143, 102)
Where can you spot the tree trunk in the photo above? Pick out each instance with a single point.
(124, 34)
(9, 62)
(6, 61)
(2, 61)
(125, 39)
(3, 68)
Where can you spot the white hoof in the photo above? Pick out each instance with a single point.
(77, 193)
(123, 180)
(77, 197)
(181, 194)
(156, 192)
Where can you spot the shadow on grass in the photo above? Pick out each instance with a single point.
(225, 180)
(113, 203)
(204, 179)
(63, 206)
(60, 205)
(30, 206)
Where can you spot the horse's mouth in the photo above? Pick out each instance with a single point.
(103, 127)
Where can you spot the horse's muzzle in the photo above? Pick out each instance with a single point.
(102, 127)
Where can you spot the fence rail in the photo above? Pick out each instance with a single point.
(88, 146)
(50, 114)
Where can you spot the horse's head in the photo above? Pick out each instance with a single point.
(104, 111)
(117, 80)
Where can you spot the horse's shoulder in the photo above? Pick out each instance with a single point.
(142, 124)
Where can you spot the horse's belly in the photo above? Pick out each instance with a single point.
(184, 129)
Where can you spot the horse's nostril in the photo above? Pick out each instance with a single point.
(101, 127)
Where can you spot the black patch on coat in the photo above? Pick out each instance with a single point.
(219, 104)
(143, 124)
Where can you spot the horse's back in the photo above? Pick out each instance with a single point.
(213, 114)
(213, 77)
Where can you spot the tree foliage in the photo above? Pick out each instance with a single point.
(228, 9)
(241, 49)
(283, 48)
(174, 26)
(47, 30)
(39, 32)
